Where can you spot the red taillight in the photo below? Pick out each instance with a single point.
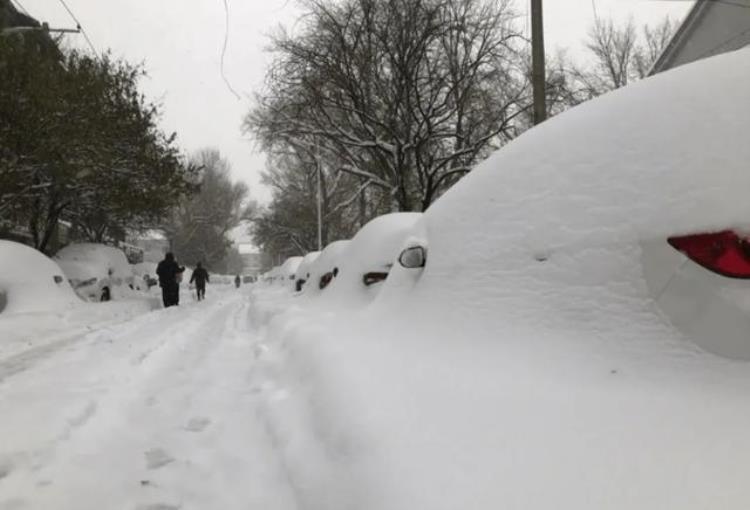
(725, 253)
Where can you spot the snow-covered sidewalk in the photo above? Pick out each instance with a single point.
(161, 412)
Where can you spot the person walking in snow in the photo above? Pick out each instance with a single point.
(170, 275)
(237, 281)
(200, 277)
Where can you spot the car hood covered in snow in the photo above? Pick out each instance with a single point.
(546, 232)
(527, 366)
(31, 282)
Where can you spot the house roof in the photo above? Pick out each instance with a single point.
(10, 17)
(706, 13)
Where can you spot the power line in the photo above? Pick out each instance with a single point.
(80, 27)
(224, 50)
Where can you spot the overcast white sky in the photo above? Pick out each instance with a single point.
(180, 43)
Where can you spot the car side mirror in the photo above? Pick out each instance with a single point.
(413, 258)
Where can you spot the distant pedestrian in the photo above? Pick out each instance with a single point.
(200, 277)
(170, 276)
(237, 281)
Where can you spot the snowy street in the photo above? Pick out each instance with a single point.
(157, 413)
(374, 255)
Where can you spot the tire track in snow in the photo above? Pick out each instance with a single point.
(35, 429)
(184, 395)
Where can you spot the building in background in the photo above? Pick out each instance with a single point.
(710, 28)
(252, 260)
(10, 17)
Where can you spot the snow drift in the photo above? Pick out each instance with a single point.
(527, 366)
(31, 282)
(91, 266)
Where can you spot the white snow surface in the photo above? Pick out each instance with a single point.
(373, 249)
(303, 270)
(328, 259)
(163, 412)
(27, 281)
(145, 268)
(527, 366)
(96, 260)
(289, 267)
(82, 262)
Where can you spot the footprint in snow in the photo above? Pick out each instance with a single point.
(198, 424)
(5, 469)
(157, 458)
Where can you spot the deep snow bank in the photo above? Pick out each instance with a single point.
(527, 367)
(31, 282)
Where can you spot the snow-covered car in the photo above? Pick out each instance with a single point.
(652, 195)
(578, 334)
(302, 274)
(370, 255)
(287, 270)
(326, 267)
(97, 272)
(31, 282)
(145, 274)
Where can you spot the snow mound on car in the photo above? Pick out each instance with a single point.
(284, 274)
(85, 260)
(328, 259)
(526, 365)
(303, 271)
(373, 249)
(31, 282)
(145, 268)
(91, 266)
(646, 161)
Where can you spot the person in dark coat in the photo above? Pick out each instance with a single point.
(170, 275)
(237, 281)
(200, 277)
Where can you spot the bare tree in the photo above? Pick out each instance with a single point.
(404, 95)
(199, 228)
(621, 54)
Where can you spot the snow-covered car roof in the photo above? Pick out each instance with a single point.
(373, 249)
(663, 156)
(145, 268)
(31, 282)
(289, 267)
(528, 365)
(328, 259)
(82, 261)
(304, 267)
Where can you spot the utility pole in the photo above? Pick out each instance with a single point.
(320, 201)
(538, 77)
